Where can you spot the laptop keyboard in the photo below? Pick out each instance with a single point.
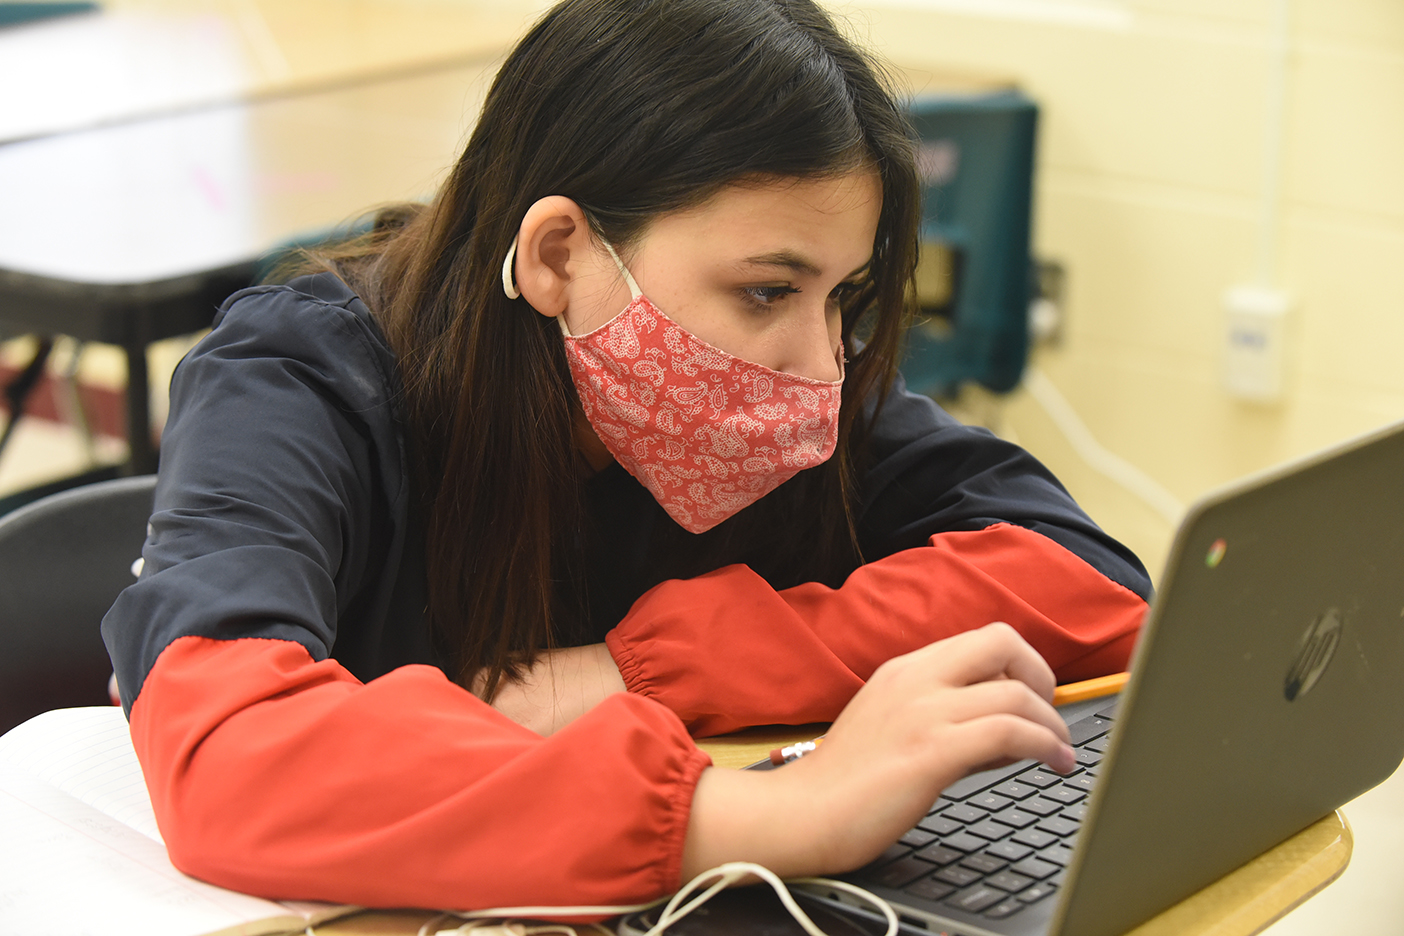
(998, 841)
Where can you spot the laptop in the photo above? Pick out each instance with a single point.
(1267, 689)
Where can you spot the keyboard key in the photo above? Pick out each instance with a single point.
(963, 841)
(940, 804)
(1016, 817)
(930, 889)
(1058, 854)
(1064, 794)
(891, 853)
(1041, 806)
(938, 854)
(1075, 813)
(989, 829)
(1109, 713)
(1034, 868)
(984, 863)
(1039, 778)
(917, 838)
(1087, 758)
(1008, 881)
(1037, 892)
(1059, 826)
(1099, 745)
(984, 780)
(977, 898)
(1012, 852)
(963, 813)
(955, 874)
(900, 872)
(1015, 790)
(1036, 838)
(990, 800)
(1003, 909)
(940, 825)
(1087, 729)
(1085, 782)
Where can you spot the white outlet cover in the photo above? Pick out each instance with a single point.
(1255, 336)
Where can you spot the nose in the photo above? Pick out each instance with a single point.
(812, 346)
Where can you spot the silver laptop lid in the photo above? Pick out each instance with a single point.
(1267, 689)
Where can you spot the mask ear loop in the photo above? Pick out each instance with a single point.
(634, 291)
(509, 284)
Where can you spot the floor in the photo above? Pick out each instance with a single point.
(1366, 901)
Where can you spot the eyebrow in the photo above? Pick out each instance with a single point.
(796, 262)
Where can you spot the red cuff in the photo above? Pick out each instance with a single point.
(725, 651)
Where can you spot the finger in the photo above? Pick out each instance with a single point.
(1001, 696)
(1003, 737)
(1026, 664)
(995, 651)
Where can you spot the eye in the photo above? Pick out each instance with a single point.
(763, 297)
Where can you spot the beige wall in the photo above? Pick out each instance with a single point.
(1150, 189)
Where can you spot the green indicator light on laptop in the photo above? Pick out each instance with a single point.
(1216, 553)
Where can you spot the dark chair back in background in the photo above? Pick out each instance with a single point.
(63, 561)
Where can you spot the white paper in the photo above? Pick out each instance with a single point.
(79, 849)
(87, 753)
(67, 869)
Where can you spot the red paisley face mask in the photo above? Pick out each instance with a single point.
(707, 433)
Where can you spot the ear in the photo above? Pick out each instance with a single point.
(553, 234)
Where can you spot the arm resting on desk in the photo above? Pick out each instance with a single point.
(282, 776)
(725, 651)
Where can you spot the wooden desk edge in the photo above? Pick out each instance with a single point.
(1259, 893)
(1243, 902)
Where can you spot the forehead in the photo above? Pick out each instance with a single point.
(831, 219)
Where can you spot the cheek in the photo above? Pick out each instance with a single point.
(712, 319)
(595, 307)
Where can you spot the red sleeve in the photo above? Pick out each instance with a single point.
(277, 775)
(726, 650)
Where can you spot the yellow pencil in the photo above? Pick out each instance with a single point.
(1089, 688)
(1062, 695)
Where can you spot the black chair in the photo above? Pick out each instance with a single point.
(63, 561)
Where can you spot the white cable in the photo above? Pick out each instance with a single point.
(715, 880)
(1108, 463)
(852, 889)
(733, 871)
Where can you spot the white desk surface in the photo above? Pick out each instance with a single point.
(198, 190)
(136, 58)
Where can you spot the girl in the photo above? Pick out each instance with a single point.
(451, 556)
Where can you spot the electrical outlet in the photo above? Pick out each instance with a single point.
(1046, 307)
(1255, 337)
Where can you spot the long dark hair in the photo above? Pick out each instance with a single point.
(633, 108)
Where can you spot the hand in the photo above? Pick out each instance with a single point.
(560, 687)
(922, 722)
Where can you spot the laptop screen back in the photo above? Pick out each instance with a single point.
(1268, 687)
